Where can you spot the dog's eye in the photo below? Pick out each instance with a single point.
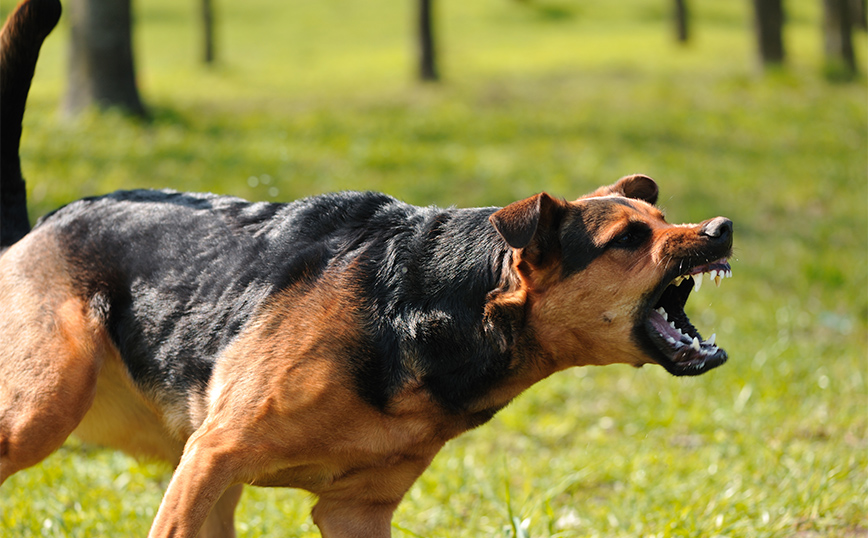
(633, 236)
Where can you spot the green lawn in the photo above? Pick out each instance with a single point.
(551, 95)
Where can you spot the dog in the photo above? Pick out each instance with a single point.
(334, 343)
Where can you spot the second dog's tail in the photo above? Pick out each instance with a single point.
(20, 41)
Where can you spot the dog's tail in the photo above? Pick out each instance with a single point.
(20, 41)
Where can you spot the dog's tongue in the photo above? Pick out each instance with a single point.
(667, 329)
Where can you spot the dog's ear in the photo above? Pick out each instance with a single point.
(521, 222)
(530, 227)
(636, 186)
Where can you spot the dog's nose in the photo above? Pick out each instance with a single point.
(719, 229)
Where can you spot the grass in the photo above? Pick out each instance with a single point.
(544, 95)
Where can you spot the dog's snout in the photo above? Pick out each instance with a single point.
(719, 229)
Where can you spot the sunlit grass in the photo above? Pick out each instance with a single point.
(556, 96)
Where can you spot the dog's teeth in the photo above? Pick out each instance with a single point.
(716, 277)
(697, 281)
(711, 339)
(709, 351)
(695, 344)
(672, 324)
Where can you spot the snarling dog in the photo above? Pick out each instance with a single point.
(333, 343)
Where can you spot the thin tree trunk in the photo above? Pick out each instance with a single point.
(682, 33)
(101, 71)
(859, 13)
(427, 49)
(769, 28)
(838, 36)
(208, 31)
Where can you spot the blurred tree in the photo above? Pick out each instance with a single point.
(207, 12)
(427, 50)
(859, 13)
(101, 71)
(838, 37)
(682, 33)
(769, 18)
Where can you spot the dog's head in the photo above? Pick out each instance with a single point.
(604, 279)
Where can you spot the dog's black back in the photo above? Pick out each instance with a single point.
(177, 276)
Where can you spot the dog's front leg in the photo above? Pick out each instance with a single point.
(208, 467)
(221, 520)
(360, 503)
(353, 518)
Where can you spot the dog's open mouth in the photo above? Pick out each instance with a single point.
(681, 349)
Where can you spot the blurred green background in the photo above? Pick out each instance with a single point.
(553, 95)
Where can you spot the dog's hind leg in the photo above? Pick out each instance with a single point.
(51, 349)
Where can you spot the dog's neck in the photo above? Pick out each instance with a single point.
(470, 347)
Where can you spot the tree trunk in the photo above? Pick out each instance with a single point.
(859, 13)
(682, 33)
(427, 49)
(838, 38)
(101, 71)
(769, 27)
(208, 31)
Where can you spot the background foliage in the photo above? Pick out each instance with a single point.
(559, 96)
